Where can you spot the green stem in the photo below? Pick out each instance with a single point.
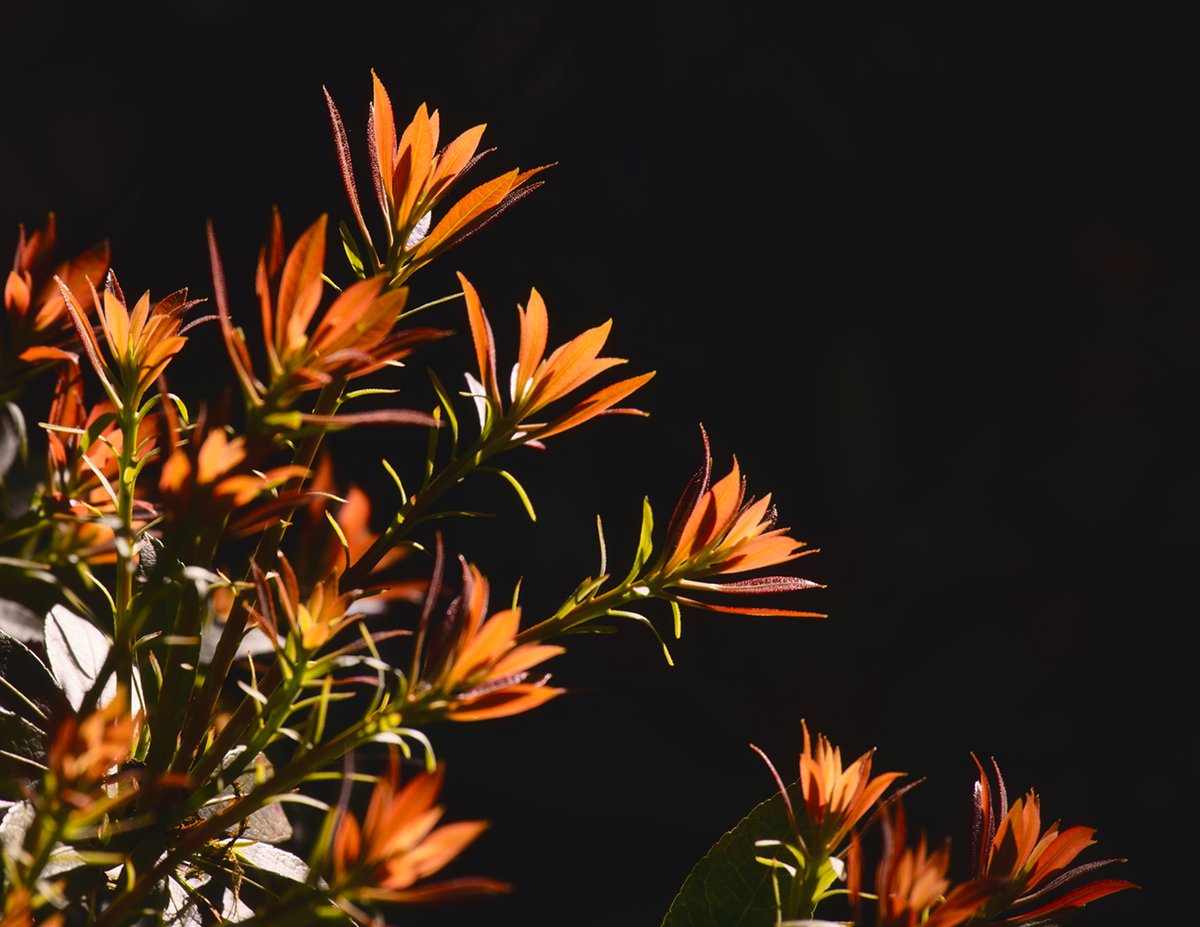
(419, 504)
(46, 835)
(201, 709)
(572, 616)
(125, 907)
(123, 631)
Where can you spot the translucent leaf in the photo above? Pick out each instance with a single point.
(728, 886)
(351, 249)
(19, 621)
(12, 437)
(517, 487)
(268, 824)
(645, 542)
(76, 649)
(444, 399)
(254, 642)
(16, 822)
(233, 909)
(272, 859)
(181, 909)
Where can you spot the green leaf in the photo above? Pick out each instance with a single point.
(369, 391)
(351, 249)
(395, 479)
(645, 543)
(444, 399)
(583, 592)
(728, 887)
(603, 546)
(337, 529)
(517, 487)
(642, 619)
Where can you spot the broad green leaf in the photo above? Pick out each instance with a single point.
(728, 887)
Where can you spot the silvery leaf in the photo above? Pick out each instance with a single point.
(272, 859)
(182, 908)
(76, 649)
(20, 621)
(254, 642)
(268, 824)
(12, 436)
(232, 908)
(419, 231)
(16, 822)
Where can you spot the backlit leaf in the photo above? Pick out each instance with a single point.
(728, 887)
(76, 649)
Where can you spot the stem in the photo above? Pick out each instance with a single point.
(418, 505)
(126, 479)
(801, 900)
(200, 711)
(590, 610)
(327, 403)
(47, 839)
(285, 779)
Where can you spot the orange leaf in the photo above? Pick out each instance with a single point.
(413, 164)
(481, 335)
(503, 703)
(458, 155)
(596, 404)
(301, 286)
(534, 332)
(466, 210)
(384, 125)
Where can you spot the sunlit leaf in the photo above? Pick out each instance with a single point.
(645, 542)
(13, 828)
(517, 487)
(268, 824)
(728, 887)
(273, 859)
(76, 649)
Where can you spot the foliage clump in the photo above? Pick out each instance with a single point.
(201, 632)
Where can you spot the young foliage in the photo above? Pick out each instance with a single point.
(225, 671)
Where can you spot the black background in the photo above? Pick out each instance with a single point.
(929, 273)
